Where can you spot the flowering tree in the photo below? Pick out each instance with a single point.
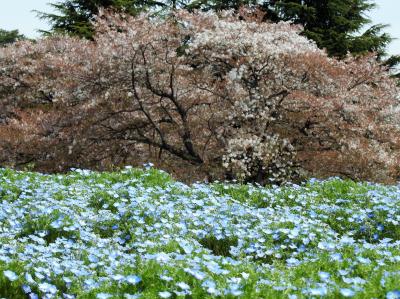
(251, 100)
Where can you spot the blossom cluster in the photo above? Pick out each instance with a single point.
(139, 234)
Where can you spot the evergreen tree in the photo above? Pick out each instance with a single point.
(218, 5)
(332, 24)
(8, 37)
(74, 17)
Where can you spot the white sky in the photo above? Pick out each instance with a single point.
(18, 14)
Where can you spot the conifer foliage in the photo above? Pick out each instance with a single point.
(333, 24)
(74, 17)
(9, 37)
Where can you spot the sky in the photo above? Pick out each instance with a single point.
(18, 14)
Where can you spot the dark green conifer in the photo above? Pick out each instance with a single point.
(8, 37)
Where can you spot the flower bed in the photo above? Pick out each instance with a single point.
(139, 234)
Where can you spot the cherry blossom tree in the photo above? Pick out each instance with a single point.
(199, 94)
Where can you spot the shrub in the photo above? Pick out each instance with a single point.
(199, 94)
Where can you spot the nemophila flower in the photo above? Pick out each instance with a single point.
(118, 277)
(57, 223)
(133, 279)
(324, 275)
(336, 257)
(47, 288)
(343, 272)
(234, 290)
(354, 280)
(320, 291)
(393, 294)
(33, 296)
(90, 283)
(164, 294)
(347, 292)
(27, 289)
(197, 274)
(103, 296)
(363, 260)
(385, 240)
(293, 261)
(326, 245)
(29, 278)
(12, 276)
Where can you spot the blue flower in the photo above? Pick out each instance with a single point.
(321, 291)
(347, 292)
(133, 279)
(117, 277)
(363, 260)
(393, 294)
(292, 261)
(47, 288)
(27, 289)
(324, 275)
(164, 294)
(103, 296)
(10, 275)
(336, 257)
(183, 286)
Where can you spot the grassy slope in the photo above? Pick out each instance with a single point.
(139, 234)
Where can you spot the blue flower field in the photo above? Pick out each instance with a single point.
(139, 234)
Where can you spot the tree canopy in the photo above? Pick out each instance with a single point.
(249, 100)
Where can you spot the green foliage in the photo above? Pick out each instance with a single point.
(218, 5)
(75, 17)
(332, 24)
(9, 37)
(219, 246)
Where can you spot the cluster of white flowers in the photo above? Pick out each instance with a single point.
(269, 156)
